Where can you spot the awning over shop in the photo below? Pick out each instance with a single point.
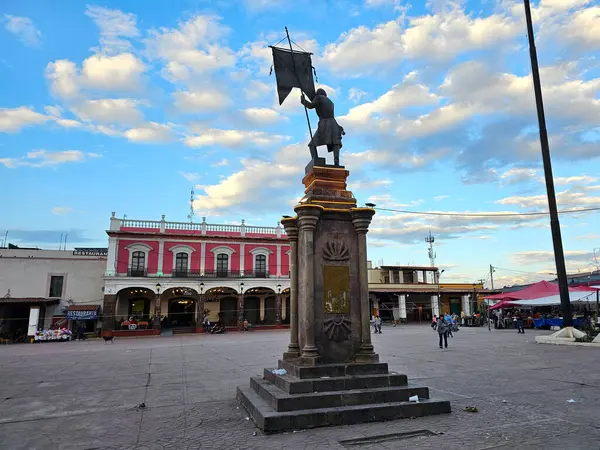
(83, 312)
(580, 296)
(537, 290)
(28, 301)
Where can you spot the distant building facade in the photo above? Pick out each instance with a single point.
(414, 294)
(167, 274)
(39, 288)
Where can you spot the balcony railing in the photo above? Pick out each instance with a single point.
(135, 272)
(164, 226)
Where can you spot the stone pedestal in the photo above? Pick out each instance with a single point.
(333, 373)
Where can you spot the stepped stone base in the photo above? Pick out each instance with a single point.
(333, 394)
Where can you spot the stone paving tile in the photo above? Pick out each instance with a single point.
(82, 395)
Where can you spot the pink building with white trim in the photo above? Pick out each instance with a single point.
(169, 272)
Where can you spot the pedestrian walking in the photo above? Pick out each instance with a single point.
(377, 324)
(442, 329)
(448, 322)
(520, 328)
(434, 321)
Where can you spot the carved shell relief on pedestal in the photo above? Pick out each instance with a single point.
(337, 329)
(336, 250)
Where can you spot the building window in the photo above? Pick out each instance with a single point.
(181, 264)
(56, 286)
(260, 265)
(138, 263)
(222, 264)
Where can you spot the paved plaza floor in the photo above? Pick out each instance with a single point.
(85, 395)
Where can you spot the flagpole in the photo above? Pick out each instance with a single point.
(559, 257)
(298, 78)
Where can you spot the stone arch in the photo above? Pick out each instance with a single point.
(222, 303)
(179, 305)
(134, 301)
(260, 305)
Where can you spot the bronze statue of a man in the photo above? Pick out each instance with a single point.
(328, 132)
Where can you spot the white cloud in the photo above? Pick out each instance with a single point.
(69, 123)
(589, 237)
(568, 199)
(192, 46)
(411, 228)
(109, 110)
(356, 94)
(13, 120)
(190, 176)
(99, 72)
(150, 133)
(115, 27)
(233, 138)
(63, 77)
(45, 158)
(389, 158)
(437, 37)
(573, 258)
(119, 72)
(24, 29)
(61, 210)
(204, 101)
(574, 179)
(408, 93)
(262, 116)
(582, 29)
(259, 183)
(256, 90)
(518, 175)
(222, 163)
(440, 197)
(370, 184)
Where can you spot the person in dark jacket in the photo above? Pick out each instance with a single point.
(442, 329)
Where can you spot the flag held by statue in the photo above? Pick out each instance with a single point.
(293, 69)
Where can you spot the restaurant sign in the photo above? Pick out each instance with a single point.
(82, 315)
(90, 252)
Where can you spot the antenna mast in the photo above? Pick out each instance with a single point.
(191, 214)
(430, 240)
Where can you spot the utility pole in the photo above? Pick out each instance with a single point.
(559, 256)
(492, 270)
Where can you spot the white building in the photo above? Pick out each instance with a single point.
(42, 287)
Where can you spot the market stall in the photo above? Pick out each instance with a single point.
(57, 335)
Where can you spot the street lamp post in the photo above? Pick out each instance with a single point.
(439, 297)
(201, 307)
(559, 256)
(278, 307)
(241, 306)
(156, 324)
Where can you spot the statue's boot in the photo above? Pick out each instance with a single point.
(336, 156)
(313, 152)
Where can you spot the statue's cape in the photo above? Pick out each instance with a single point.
(293, 70)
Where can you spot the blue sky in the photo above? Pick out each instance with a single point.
(119, 106)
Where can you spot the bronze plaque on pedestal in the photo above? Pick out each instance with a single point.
(336, 284)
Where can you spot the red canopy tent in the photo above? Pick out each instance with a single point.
(537, 290)
(502, 304)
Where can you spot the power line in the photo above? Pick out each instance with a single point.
(488, 214)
